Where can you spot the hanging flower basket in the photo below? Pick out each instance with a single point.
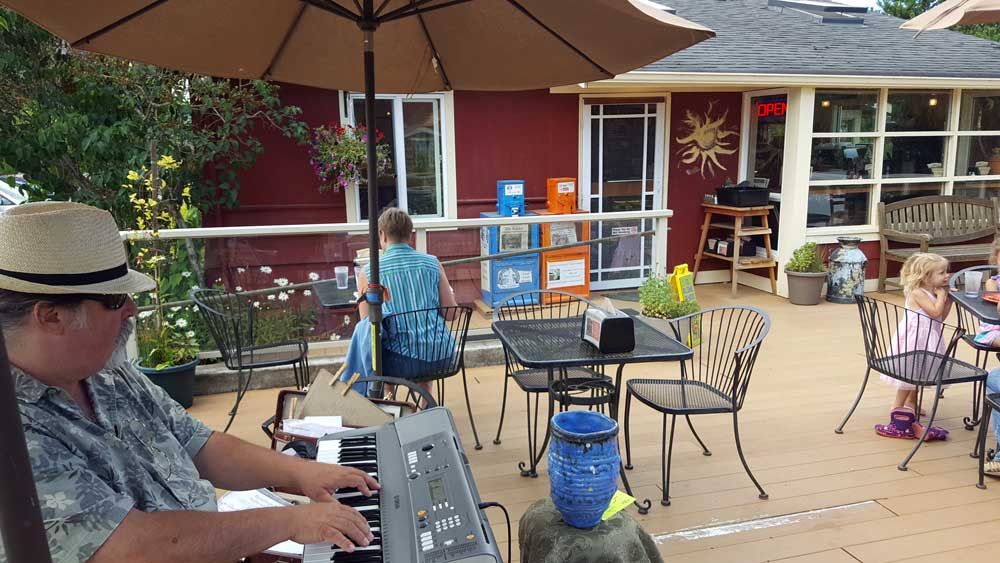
(339, 157)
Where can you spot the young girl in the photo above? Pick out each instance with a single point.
(925, 284)
(988, 333)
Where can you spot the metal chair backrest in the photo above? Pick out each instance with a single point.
(425, 344)
(725, 342)
(904, 344)
(230, 321)
(966, 320)
(528, 306)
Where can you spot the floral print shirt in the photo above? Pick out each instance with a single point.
(89, 475)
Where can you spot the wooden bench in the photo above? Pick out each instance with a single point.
(945, 225)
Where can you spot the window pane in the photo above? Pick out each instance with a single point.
(841, 159)
(909, 157)
(845, 111)
(899, 192)
(978, 156)
(624, 109)
(917, 111)
(831, 206)
(422, 146)
(386, 184)
(595, 158)
(980, 111)
(980, 188)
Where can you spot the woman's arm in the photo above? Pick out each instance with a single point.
(445, 294)
(362, 288)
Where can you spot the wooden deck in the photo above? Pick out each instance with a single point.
(833, 498)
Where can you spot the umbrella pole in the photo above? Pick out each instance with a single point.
(20, 518)
(374, 292)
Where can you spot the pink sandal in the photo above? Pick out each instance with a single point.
(900, 425)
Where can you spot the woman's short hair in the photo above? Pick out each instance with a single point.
(396, 224)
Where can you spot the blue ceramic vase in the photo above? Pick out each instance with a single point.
(847, 271)
(583, 466)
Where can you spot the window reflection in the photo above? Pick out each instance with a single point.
(978, 156)
(983, 189)
(980, 111)
(917, 111)
(834, 206)
(845, 111)
(898, 192)
(841, 158)
(907, 157)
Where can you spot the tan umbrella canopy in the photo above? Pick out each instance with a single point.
(955, 12)
(421, 45)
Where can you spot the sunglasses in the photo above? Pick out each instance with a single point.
(112, 302)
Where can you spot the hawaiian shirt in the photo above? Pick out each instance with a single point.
(89, 475)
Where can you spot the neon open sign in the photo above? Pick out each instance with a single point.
(772, 109)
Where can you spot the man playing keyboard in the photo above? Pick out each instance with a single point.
(123, 473)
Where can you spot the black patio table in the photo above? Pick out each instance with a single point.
(555, 344)
(330, 297)
(979, 307)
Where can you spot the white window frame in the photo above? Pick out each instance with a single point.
(445, 187)
(951, 134)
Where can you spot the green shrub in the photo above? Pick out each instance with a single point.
(806, 258)
(658, 299)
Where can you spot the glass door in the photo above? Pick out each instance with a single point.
(624, 158)
(766, 152)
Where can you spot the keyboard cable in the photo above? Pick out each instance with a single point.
(506, 515)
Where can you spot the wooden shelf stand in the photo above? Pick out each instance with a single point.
(735, 215)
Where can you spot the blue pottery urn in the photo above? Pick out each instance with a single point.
(846, 277)
(583, 466)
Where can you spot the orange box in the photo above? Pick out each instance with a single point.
(561, 194)
(567, 269)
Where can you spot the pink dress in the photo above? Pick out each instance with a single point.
(916, 331)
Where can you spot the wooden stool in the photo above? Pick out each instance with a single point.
(737, 262)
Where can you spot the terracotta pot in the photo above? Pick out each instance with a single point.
(995, 166)
(805, 288)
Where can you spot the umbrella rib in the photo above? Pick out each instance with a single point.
(334, 8)
(119, 22)
(552, 32)
(437, 57)
(417, 8)
(284, 41)
(381, 7)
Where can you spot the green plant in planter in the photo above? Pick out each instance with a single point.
(658, 299)
(806, 258)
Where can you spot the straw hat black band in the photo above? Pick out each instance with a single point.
(88, 278)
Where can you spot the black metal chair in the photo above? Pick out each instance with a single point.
(538, 304)
(990, 404)
(230, 319)
(428, 345)
(725, 341)
(970, 323)
(913, 348)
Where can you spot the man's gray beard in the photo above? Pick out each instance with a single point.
(120, 354)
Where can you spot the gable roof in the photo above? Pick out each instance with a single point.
(752, 38)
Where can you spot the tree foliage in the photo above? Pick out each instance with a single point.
(908, 9)
(75, 122)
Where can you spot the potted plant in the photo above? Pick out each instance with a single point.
(658, 300)
(166, 336)
(339, 155)
(806, 275)
(995, 161)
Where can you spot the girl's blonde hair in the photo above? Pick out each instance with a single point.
(917, 268)
(994, 251)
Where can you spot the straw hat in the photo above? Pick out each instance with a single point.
(62, 247)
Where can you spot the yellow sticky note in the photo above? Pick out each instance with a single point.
(618, 503)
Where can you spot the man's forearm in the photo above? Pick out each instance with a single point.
(195, 536)
(235, 464)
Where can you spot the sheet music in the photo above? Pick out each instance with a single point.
(260, 498)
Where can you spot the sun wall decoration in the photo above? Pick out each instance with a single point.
(705, 139)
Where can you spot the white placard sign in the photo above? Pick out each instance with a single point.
(566, 187)
(566, 274)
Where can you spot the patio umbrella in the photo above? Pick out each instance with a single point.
(425, 46)
(955, 12)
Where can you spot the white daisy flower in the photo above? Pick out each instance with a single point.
(291, 291)
(313, 276)
(335, 336)
(238, 288)
(185, 274)
(189, 334)
(174, 309)
(145, 314)
(281, 281)
(240, 270)
(182, 323)
(256, 304)
(195, 288)
(307, 293)
(270, 297)
(282, 296)
(265, 269)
